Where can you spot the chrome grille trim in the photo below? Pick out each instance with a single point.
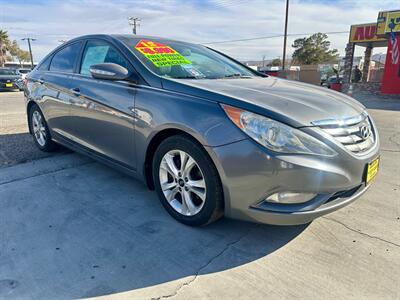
(349, 132)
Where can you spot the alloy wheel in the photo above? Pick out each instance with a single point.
(39, 129)
(182, 182)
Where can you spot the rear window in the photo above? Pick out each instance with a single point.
(24, 71)
(64, 60)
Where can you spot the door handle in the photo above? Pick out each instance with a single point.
(76, 91)
(41, 81)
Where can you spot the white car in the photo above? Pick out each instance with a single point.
(23, 72)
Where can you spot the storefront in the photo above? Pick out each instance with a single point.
(383, 33)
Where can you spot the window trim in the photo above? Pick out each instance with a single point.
(47, 57)
(62, 48)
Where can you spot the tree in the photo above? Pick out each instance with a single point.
(314, 50)
(13, 48)
(4, 44)
(23, 56)
(276, 62)
(18, 53)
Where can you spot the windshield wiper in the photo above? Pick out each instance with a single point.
(184, 77)
(236, 75)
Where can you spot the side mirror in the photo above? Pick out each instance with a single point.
(109, 71)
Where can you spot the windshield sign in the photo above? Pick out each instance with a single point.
(161, 55)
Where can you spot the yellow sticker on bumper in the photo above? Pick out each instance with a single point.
(372, 170)
(161, 55)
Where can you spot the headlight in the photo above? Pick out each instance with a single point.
(274, 135)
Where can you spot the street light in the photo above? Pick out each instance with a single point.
(30, 49)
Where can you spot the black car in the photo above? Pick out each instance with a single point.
(9, 79)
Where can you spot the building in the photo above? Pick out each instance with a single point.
(17, 65)
(385, 32)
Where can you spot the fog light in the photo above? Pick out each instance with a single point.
(290, 198)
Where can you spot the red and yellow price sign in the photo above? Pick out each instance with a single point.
(161, 55)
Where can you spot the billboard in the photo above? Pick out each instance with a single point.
(387, 21)
(364, 33)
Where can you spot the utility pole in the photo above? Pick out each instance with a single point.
(285, 35)
(134, 22)
(30, 48)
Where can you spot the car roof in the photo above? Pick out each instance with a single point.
(123, 37)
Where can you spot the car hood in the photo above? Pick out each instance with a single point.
(294, 102)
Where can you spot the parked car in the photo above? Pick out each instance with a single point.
(210, 135)
(23, 72)
(8, 79)
(332, 80)
(20, 84)
(272, 71)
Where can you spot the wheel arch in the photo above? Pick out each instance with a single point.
(156, 140)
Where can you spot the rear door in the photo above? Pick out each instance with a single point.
(54, 83)
(101, 111)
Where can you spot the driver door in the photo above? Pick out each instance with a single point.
(101, 111)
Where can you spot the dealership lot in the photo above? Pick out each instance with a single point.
(73, 228)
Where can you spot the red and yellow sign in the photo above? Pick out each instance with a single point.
(364, 33)
(161, 55)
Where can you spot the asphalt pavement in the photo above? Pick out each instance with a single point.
(73, 228)
(16, 144)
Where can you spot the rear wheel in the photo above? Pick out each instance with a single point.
(40, 130)
(187, 181)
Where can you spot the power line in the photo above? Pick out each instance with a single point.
(270, 37)
(285, 35)
(134, 22)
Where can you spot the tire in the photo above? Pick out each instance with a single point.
(40, 132)
(192, 204)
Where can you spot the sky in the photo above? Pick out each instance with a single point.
(198, 21)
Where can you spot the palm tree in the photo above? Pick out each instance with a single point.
(4, 43)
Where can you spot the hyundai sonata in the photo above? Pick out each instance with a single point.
(210, 135)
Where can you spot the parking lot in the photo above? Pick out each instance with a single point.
(74, 228)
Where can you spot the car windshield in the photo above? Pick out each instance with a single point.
(181, 60)
(7, 72)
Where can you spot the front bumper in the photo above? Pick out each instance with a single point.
(249, 174)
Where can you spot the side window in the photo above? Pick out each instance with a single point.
(44, 65)
(64, 60)
(98, 52)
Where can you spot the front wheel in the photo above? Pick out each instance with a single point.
(40, 130)
(187, 181)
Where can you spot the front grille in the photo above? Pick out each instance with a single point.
(356, 134)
